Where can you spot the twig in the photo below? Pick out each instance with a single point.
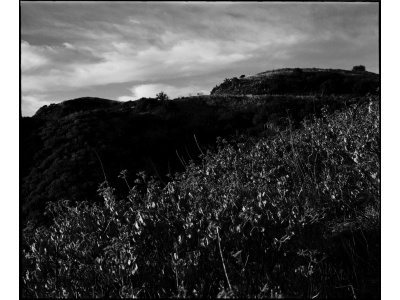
(187, 151)
(176, 272)
(151, 161)
(222, 258)
(182, 162)
(244, 268)
(348, 286)
(198, 144)
(104, 173)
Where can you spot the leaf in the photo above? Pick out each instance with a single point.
(237, 253)
(134, 270)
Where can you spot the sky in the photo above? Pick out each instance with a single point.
(128, 50)
(319, 23)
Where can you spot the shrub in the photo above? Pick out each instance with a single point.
(359, 68)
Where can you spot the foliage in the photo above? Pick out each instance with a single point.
(293, 215)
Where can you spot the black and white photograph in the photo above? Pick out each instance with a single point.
(199, 149)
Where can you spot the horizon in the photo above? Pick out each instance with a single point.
(126, 51)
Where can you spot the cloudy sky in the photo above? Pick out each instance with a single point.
(128, 50)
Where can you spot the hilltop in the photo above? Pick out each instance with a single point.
(54, 111)
(300, 81)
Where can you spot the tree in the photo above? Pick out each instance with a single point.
(359, 68)
(162, 96)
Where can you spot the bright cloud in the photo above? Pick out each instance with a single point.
(31, 57)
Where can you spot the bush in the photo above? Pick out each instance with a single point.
(359, 68)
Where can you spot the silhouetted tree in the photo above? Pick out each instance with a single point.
(162, 96)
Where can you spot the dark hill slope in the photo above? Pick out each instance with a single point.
(59, 154)
(301, 81)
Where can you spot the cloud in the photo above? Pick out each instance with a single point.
(70, 46)
(134, 21)
(31, 103)
(71, 67)
(31, 58)
(151, 90)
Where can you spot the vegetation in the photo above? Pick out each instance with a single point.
(292, 213)
(62, 145)
(359, 68)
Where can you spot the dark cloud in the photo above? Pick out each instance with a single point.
(350, 19)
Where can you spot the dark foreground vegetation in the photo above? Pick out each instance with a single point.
(292, 213)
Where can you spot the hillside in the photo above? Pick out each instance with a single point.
(301, 81)
(294, 214)
(65, 147)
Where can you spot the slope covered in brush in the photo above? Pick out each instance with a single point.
(64, 146)
(293, 215)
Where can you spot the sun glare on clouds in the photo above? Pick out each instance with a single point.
(151, 90)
